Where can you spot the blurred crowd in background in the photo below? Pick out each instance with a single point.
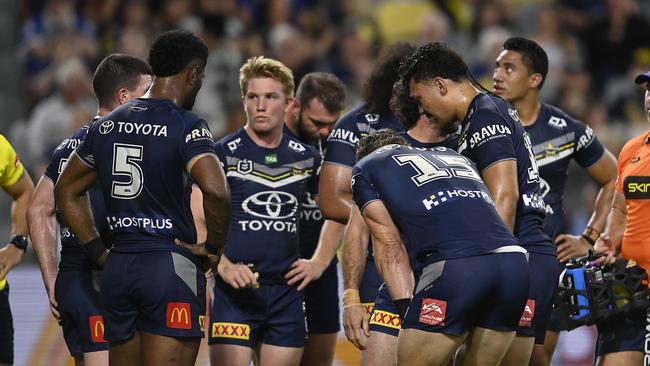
(595, 48)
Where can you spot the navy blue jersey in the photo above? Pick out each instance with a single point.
(311, 219)
(353, 126)
(436, 198)
(451, 141)
(556, 139)
(491, 133)
(141, 152)
(73, 257)
(266, 190)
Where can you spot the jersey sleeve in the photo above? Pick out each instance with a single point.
(363, 192)
(57, 162)
(588, 149)
(626, 154)
(489, 140)
(11, 169)
(198, 140)
(85, 148)
(342, 143)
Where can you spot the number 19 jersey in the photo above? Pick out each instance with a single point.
(141, 152)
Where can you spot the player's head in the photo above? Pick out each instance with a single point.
(377, 89)
(430, 75)
(321, 99)
(377, 139)
(267, 87)
(520, 68)
(120, 78)
(403, 106)
(644, 79)
(181, 55)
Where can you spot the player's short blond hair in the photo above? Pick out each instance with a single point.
(262, 67)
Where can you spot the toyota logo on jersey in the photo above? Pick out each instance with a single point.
(271, 205)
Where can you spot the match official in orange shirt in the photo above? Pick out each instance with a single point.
(621, 342)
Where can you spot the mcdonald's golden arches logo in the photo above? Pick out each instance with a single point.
(179, 315)
(96, 323)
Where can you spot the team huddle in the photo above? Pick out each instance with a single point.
(443, 199)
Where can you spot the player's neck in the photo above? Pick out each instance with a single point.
(426, 132)
(271, 140)
(466, 95)
(292, 125)
(528, 108)
(167, 88)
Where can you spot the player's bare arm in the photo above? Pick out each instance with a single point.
(501, 180)
(603, 172)
(335, 192)
(237, 275)
(391, 256)
(20, 192)
(71, 194)
(42, 223)
(353, 260)
(206, 171)
(610, 240)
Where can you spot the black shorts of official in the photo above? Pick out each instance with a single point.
(457, 295)
(6, 328)
(161, 293)
(82, 320)
(322, 303)
(370, 283)
(384, 317)
(622, 333)
(543, 283)
(272, 314)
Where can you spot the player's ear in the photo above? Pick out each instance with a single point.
(534, 80)
(122, 96)
(440, 84)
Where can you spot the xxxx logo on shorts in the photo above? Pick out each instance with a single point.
(433, 311)
(385, 319)
(202, 322)
(528, 314)
(179, 315)
(96, 323)
(231, 330)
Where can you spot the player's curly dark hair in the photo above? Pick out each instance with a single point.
(377, 139)
(532, 54)
(403, 106)
(378, 88)
(174, 50)
(115, 72)
(433, 60)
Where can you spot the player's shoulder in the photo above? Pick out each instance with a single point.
(555, 118)
(490, 109)
(295, 146)
(232, 142)
(352, 117)
(633, 145)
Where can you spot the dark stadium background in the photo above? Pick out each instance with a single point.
(49, 49)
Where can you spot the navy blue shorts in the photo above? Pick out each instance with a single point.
(370, 283)
(6, 328)
(77, 294)
(624, 333)
(161, 293)
(384, 317)
(454, 296)
(544, 276)
(555, 323)
(272, 314)
(322, 303)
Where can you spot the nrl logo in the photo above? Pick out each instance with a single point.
(244, 166)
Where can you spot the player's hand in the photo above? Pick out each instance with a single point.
(356, 324)
(54, 305)
(304, 271)
(571, 246)
(209, 262)
(605, 245)
(10, 256)
(239, 276)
